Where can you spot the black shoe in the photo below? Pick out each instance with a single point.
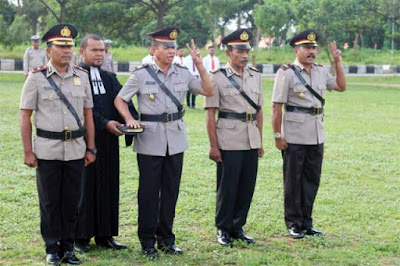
(312, 232)
(70, 258)
(109, 243)
(170, 249)
(150, 252)
(224, 238)
(295, 232)
(242, 236)
(53, 259)
(81, 247)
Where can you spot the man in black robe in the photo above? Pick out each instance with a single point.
(98, 207)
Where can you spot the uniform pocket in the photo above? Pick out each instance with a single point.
(226, 124)
(230, 92)
(294, 117)
(78, 98)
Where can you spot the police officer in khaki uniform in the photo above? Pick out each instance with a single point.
(108, 62)
(236, 137)
(34, 56)
(160, 147)
(302, 137)
(59, 150)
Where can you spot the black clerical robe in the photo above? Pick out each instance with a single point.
(98, 207)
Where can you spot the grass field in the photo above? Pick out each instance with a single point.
(275, 55)
(358, 204)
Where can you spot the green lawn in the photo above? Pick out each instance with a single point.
(275, 55)
(358, 205)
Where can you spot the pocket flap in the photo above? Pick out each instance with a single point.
(294, 117)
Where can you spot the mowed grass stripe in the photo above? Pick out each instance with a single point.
(357, 204)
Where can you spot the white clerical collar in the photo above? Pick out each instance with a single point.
(97, 83)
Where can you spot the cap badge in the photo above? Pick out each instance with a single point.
(173, 35)
(244, 36)
(311, 36)
(65, 32)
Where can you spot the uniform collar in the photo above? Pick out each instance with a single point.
(172, 68)
(51, 70)
(300, 66)
(231, 71)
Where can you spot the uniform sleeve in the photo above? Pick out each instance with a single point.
(29, 94)
(261, 98)
(213, 101)
(330, 81)
(281, 87)
(130, 88)
(26, 62)
(88, 100)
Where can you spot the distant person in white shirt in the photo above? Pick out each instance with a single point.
(211, 62)
(149, 58)
(188, 62)
(179, 56)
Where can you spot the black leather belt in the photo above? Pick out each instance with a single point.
(306, 110)
(245, 117)
(165, 117)
(64, 135)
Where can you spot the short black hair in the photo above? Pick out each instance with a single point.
(86, 38)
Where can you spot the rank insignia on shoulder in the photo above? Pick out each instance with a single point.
(285, 66)
(38, 69)
(140, 67)
(254, 68)
(215, 71)
(181, 66)
(81, 68)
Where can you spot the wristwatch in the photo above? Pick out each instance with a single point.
(278, 135)
(92, 150)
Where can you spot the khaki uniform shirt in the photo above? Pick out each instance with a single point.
(158, 136)
(108, 62)
(302, 128)
(34, 58)
(236, 134)
(52, 114)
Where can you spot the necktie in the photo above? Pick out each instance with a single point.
(212, 63)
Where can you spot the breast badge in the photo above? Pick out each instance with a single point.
(77, 81)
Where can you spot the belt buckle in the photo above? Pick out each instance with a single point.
(169, 118)
(317, 111)
(67, 135)
(249, 117)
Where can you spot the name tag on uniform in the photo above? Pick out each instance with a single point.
(229, 86)
(77, 81)
(179, 82)
(150, 82)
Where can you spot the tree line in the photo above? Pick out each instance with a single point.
(359, 23)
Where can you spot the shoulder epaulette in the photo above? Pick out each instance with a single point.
(38, 69)
(285, 66)
(215, 70)
(316, 64)
(254, 68)
(140, 67)
(81, 68)
(181, 66)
